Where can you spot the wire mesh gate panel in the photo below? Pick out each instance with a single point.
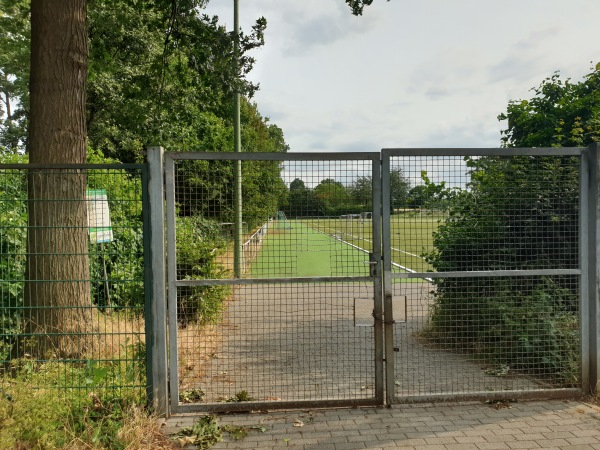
(484, 291)
(279, 306)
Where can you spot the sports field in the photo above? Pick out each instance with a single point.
(340, 247)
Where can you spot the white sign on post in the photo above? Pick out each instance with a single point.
(100, 228)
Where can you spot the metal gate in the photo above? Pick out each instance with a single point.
(405, 275)
(280, 307)
(490, 302)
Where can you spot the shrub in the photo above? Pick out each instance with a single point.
(517, 213)
(523, 323)
(124, 256)
(13, 235)
(199, 242)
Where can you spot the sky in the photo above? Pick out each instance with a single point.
(409, 73)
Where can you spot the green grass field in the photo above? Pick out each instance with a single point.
(411, 236)
(314, 247)
(302, 251)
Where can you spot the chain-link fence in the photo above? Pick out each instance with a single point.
(72, 295)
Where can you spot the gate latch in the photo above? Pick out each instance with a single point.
(372, 265)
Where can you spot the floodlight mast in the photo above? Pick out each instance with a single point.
(237, 147)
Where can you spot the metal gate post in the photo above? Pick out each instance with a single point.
(591, 187)
(390, 393)
(156, 313)
(586, 264)
(377, 282)
(169, 171)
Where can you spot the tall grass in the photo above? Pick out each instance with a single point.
(100, 417)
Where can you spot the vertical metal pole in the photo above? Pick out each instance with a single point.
(593, 318)
(237, 239)
(585, 264)
(387, 280)
(172, 281)
(154, 280)
(377, 282)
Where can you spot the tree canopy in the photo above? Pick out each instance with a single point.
(160, 72)
(14, 72)
(331, 197)
(560, 114)
(117, 76)
(357, 6)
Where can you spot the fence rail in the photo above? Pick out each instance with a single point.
(252, 246)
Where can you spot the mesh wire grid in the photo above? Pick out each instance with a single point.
(482, 337)
(289, 340)
(486, 334)
(279, 342)
(314, 218)
(71, 280)
(504, 213)
(283, 340)
(304, 210)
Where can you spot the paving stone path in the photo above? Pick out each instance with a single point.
(552, 424)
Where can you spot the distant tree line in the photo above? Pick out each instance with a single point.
(333, 198)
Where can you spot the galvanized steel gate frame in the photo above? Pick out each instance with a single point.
(164, 354)
(375, 278)
(587, 259)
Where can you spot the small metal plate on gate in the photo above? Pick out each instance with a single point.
(363, 311)
(399, 309)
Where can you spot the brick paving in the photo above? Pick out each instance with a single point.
(552, 424)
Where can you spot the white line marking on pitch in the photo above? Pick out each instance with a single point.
(368, 240)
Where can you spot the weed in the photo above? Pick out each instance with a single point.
(204, 433)
(241, 396)
(191, 396)
(236, 432)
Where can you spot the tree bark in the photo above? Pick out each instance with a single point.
(58, 309)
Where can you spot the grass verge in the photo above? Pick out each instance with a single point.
(94, 403)
(47, 418)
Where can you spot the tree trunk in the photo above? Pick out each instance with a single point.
(58, 309)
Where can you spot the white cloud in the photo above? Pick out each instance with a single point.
(310, 28)
(409, 73)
